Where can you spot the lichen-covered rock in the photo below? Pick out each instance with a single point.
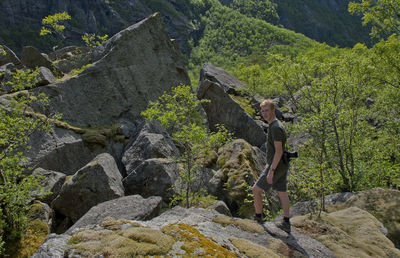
(384, 204)
(130, 242)
(97, 182)
(240, 165)
(351, 232)
(132, 207)
(53, 246)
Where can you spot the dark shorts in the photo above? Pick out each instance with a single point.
(279, 181)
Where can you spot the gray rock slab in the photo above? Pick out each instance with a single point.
(53, 246)
(97, 182)
(152, 177)
(135, 66)
(52, 182)
(223, 109)
(151, 142)
(132, 207)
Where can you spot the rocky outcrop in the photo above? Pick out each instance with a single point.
(52, 181)
(32, 58)
(151, 142)
(229, 83)
(97, 182)
(384, 204)
(351, 232)
(132, 207)
(223, 109)
(60, 150)
(240, 164)
(153, 177)
(133, 67)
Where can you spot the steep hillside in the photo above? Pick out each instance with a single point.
(324, 21)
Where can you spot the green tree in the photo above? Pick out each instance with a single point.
(260, 9)
(17, 124)
(179, 113)
(93, 41)
(341, 154)
(383, 15)
(53, 24)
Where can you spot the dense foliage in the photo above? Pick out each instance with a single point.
(230, 37)
(17, 124)
(382, 14)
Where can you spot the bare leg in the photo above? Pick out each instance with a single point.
(284, 197)
(257, 199)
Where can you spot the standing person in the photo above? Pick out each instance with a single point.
(275, 172)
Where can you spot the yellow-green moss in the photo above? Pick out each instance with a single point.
(132, 242)
(245, 104)
(238, 166)
(244, 224)
(348, 233)
(35, 209)
(194, 243)
(252, 250)
(382, 203)
(94, 137)
(112, 224)
(32, 239)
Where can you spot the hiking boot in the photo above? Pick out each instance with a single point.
(259, 219)
(285, 226)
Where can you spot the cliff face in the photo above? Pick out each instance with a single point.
(20, 20)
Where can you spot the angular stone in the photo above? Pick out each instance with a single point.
(97, 182)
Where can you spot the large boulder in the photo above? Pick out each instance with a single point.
(229, 83)
(351, 232)
(60, 150)
(153, 177)
(132, 207)
(151, 142)
(384, 204)
(97, 182)
(223, 109)
(32, 58)
(240, 164)
(133, 67)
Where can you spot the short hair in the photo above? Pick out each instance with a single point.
(268, 102)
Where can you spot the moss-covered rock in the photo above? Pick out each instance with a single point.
(131, 242)
(195, 244)
(252, 250)
(30, 241)
(241, 165)
(384, 204)
(243, 224)
(351, 232)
